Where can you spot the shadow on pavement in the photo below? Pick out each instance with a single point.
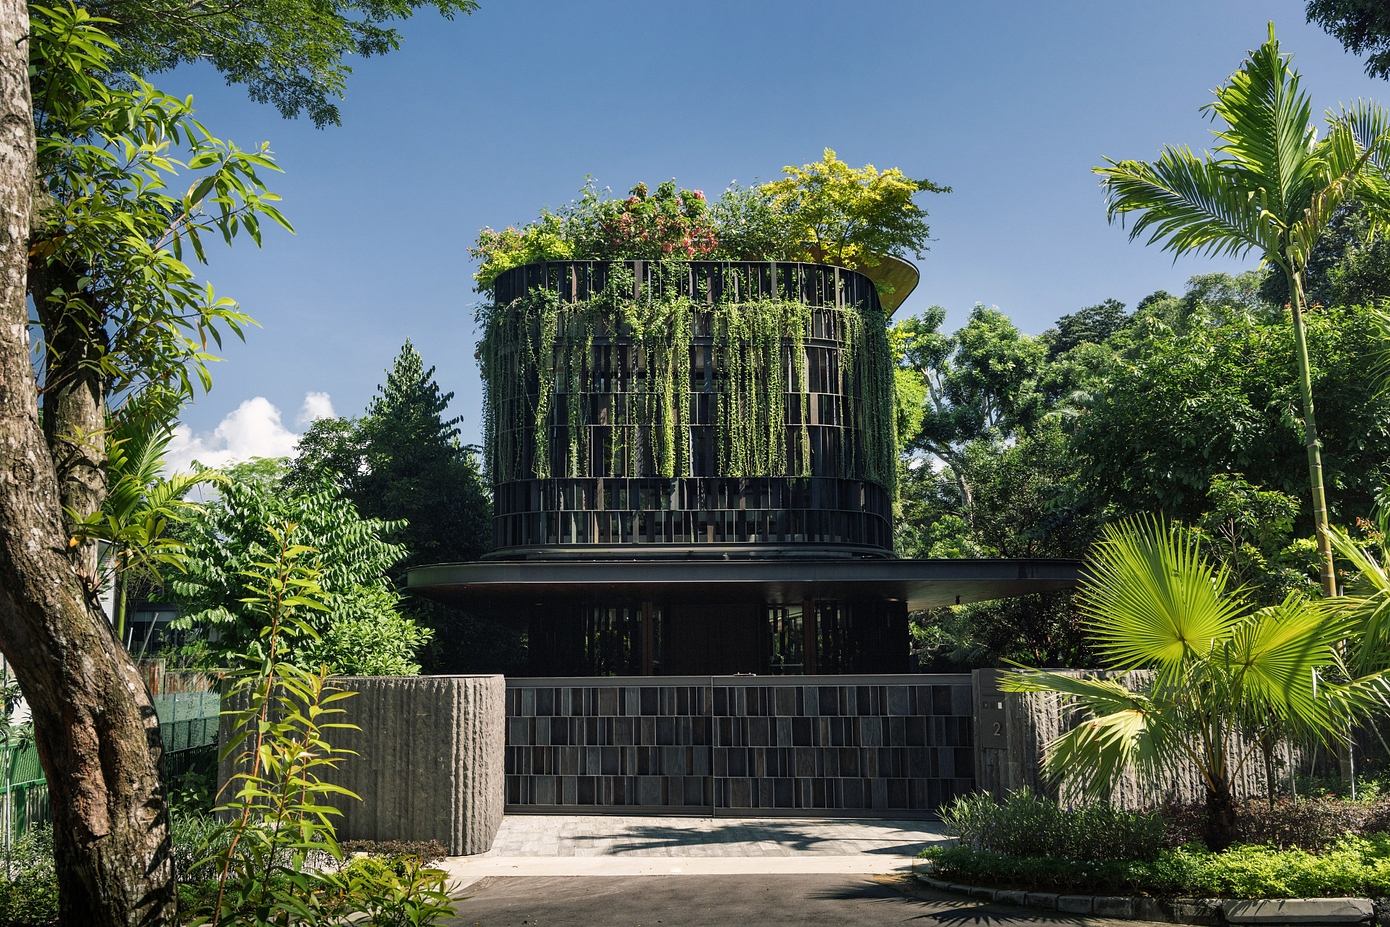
(796, 836)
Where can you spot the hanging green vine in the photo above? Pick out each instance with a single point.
(611, 374)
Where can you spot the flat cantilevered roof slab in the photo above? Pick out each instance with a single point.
(920, 583)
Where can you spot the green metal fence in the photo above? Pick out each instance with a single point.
(187, 723)
(23, 791)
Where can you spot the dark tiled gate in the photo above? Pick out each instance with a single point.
(701, 743)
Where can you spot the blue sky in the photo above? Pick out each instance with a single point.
(483, 120)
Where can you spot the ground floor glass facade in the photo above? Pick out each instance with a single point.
(685, 636)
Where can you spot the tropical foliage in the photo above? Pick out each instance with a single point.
(1272, 187)
(1182, 407)
(143, 504)
(265, 864)
(113, 229)
(360, 630)
(1208, 673)
(402, 462)
(823, 211)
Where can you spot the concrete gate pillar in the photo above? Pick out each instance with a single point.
(430, 763)
(430, 759)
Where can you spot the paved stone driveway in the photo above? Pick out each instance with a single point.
(614, 835)
(612, 845)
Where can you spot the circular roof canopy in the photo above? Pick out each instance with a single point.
(920, 583)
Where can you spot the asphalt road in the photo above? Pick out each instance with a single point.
(744, 901)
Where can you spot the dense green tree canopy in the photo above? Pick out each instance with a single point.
(289, 53)
(980, 385)
(1028, 445)
(1211, 395)
(1363, 26)
(362, 632)
(403, 461)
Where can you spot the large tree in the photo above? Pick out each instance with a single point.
(403, 461)
(97, 738)
(98, 246)
(1192, 393)
(289, 53)
(979, 384)
(97, 238)
(1271, 187)
(1362, 26)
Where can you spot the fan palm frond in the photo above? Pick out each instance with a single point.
(1152, 599)
(1275, 658)
(1121, 729)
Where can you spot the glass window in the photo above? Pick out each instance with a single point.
(788, 653)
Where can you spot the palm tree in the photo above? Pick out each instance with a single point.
(1201, 675)
(1270, 187)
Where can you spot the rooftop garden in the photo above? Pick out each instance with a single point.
(825, 211)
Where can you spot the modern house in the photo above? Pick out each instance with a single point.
(724, 563)
(693, 471)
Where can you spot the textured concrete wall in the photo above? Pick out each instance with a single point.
(1013, 731)
(429, 763)
(701, 743)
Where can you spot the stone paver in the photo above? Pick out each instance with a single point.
(623, 845)
(624, 835)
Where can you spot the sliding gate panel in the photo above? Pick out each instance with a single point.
(734, 744)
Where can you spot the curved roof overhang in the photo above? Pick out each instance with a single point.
(895, 279)
(920, 583)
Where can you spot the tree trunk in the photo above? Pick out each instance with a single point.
(1310, 439)
(74, 395)
(1327, 566)
(1221, 816)
(95, 730)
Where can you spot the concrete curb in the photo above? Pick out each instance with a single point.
(1207, 912)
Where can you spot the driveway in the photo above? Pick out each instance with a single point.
(622, 845)
(742, 900)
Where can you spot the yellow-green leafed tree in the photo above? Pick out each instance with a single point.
(850, 216)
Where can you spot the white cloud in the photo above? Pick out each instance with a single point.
(252, 429)
(315, 407)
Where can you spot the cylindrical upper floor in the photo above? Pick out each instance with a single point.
(687, 408)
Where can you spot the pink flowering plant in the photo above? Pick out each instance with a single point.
(665, 223)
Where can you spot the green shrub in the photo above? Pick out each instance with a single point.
(392, 891)
(29, 896)
(1351, 866)
(275, 858)
(1306, 823)
(1025, 824)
